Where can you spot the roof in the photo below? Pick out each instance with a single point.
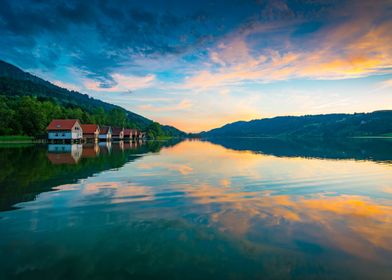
(61, 124)
(89, 128)
(116, 130)
(104, 130)
(128, 131)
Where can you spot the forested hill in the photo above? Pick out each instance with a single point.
(15, 83)
(378, 123)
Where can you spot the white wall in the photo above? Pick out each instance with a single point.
(64, 135)
(67, 135)
(104, 136)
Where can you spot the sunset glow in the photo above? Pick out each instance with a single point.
(200, 66)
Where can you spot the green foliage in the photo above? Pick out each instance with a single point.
(30, 116)
(155, 131)
(62, 103)
(15, 138)
(326, 126)
(161, 132)
(117, 117)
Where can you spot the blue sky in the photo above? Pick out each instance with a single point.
(198, 65)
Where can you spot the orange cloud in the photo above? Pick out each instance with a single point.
(356, 48)
(354, 224)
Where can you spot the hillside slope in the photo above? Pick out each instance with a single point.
(15, 82)
(377, 123)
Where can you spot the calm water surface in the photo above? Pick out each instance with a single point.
(225, 209)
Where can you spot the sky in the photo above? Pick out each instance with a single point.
(198, 65)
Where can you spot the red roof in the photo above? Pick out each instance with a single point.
(116, 130)
(127, 132)
(61, 124)
(89, 128)
(104, 130)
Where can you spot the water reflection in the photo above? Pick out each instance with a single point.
(210, 212)
(29, 170)
(72, 153)
(64, 153)
(345, 148)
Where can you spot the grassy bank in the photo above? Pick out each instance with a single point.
(16, 139)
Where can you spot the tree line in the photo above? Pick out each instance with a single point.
(26, 115)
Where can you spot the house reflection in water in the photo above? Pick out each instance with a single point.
(90, 150)
(118, 146)
(73, 153)
(105, 148)
(64, 153)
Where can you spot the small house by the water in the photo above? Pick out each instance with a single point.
(129, 134)
(135, 134)
(64, 130)
(117, 133)
(90, 132)
(105, 133)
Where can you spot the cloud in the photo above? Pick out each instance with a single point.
(200, 65)
(122, 83)
(100, 37)
(367, 54)
(97, 36)
(182, 105)
(385, 84)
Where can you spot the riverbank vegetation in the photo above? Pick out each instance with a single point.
(28, 104)
(28, 117)
(16, 138)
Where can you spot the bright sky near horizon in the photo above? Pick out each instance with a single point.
(200, 64)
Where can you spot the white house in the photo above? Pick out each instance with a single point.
(105, 133)
(66, 130)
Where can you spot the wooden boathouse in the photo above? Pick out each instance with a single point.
(90, 132)
(105, 133)
(65, 131)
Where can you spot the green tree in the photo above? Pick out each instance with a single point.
(30, 116)
(7, 116)
(117, 117)
(154, 130)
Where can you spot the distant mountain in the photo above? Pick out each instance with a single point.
(333, 148)
(377, 123)
(16, 82)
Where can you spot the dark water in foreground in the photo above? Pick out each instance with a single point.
(232, 209)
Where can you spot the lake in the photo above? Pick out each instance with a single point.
(192, 209)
